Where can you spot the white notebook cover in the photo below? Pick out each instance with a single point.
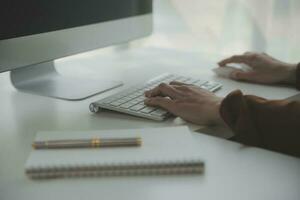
(158, 144)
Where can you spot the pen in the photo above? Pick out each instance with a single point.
(87, 143)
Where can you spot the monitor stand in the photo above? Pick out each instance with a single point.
(43, 79)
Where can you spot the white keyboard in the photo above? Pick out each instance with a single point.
(131, 101)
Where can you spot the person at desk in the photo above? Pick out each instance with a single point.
(255, 121)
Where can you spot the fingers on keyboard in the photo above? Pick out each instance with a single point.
(131, 101)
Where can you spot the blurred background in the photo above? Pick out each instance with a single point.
(219, 28)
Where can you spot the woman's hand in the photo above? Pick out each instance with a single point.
(264, 69)
(189, 102)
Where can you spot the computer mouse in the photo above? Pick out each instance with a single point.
(224, 71)
(227, 70)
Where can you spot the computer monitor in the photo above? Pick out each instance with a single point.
(33, 33)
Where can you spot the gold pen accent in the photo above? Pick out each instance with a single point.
(88, 143)
(95, 142)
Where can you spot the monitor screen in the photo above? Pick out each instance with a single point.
(28, 17)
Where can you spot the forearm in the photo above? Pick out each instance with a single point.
(274, 125)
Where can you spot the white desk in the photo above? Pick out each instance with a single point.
(232, 172)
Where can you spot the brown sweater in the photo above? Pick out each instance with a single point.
(270, 124)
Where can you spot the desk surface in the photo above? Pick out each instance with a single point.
(233, 171)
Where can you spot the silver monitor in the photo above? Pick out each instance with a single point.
(33, 33)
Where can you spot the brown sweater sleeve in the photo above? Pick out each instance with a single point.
(298, 77)
(270, 124)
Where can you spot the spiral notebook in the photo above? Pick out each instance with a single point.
(163, 151)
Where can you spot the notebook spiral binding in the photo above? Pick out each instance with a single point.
(119, 169)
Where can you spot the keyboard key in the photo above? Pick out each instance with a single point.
(182, 79)
(126, 98)
(136, 101)
(141, 98)
(137, 107)
(107, 100)
(126, 105)
(199, 82)
(122, 100)
(132, 103)
(141, 92)
(190, 81)
(159, 112)
(116, 103)
(148, 109)
(208, 85)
